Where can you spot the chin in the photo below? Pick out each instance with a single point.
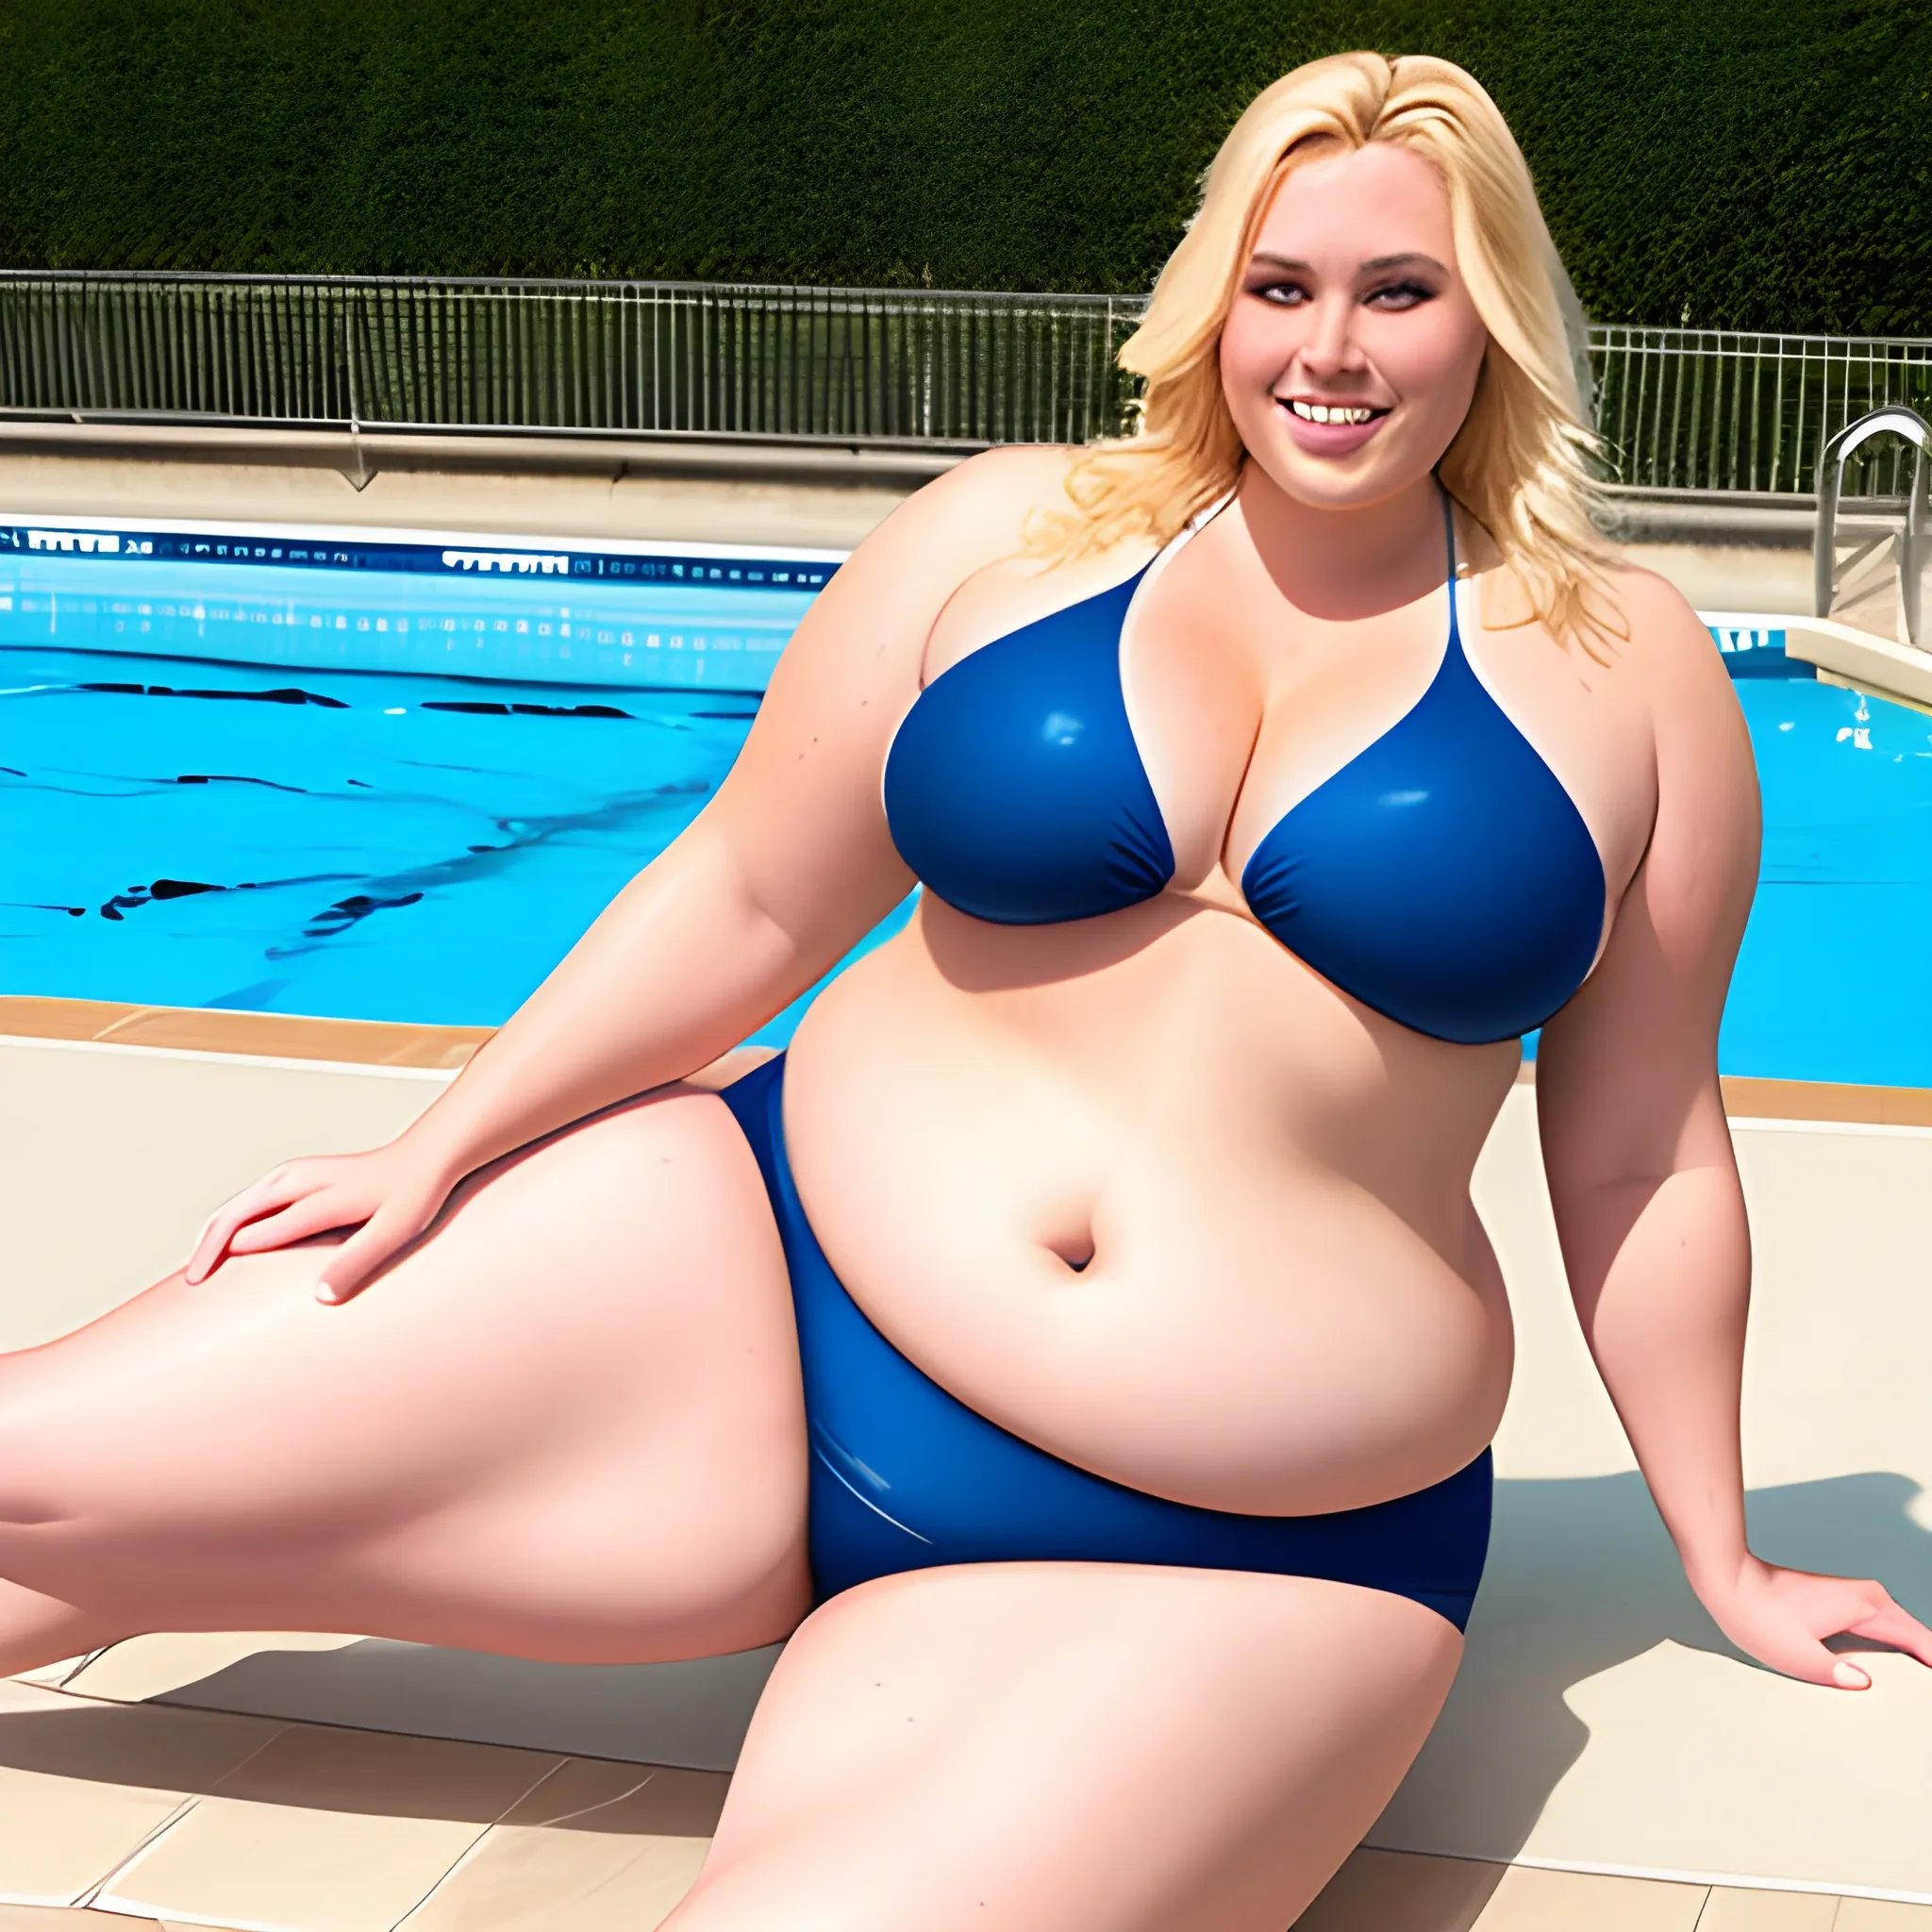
(1344, 483)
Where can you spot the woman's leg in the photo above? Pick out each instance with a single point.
(567, 1423)
(1071, 1748)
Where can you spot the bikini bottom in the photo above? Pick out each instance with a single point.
(904, 1476)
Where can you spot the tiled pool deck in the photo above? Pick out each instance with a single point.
(207, 1818)
(118, 1809)
(116, 1814)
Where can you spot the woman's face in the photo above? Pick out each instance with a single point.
(1352, 350)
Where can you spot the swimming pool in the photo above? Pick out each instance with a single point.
(226, 810)
(454, 605)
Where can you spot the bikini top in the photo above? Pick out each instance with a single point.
(1444, 877)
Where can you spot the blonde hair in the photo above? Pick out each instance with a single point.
(1517, 464)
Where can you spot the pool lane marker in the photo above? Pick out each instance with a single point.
(429, 552)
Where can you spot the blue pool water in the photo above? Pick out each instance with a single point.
(457, 606)
(1836, 971)
(240, 806)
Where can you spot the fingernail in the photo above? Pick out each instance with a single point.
(326, 1293)
(1849, 1677)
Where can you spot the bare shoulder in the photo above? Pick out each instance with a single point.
(867, 629)
(1665, 640)
(1707, 768)
(1664, 632)
(976, 511)
(1037, 471)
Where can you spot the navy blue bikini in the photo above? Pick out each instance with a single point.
(1443, 878)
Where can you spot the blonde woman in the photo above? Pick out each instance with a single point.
(1088, 1316)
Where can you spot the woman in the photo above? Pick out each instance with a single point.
(1265, 789)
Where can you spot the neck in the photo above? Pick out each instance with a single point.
(1343, 564)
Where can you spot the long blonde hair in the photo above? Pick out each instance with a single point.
(1517, 464)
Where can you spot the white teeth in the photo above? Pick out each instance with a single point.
(1328, 412)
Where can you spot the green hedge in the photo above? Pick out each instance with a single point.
(1749, 163)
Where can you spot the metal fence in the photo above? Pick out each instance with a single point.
(855, 365)
(1678, 408)
(1708, 409)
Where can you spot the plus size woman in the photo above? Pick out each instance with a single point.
(1081, 1344)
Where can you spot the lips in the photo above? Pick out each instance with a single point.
(1336, 428)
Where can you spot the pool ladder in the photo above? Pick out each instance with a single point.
(1828, 575)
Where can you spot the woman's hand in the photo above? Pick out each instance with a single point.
(389, 1196)
(1781, 1617)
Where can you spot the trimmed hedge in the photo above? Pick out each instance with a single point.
(1743, 163)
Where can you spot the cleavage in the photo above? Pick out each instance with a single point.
(1297, 698)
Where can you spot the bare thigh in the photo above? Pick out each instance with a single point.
(1071, 1748)
(567, 1423)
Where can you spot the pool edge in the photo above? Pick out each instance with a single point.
(286, 1037)
(443, 1049)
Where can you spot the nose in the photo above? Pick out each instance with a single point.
(1330, 347)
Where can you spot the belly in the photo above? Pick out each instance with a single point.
(1150, 1194)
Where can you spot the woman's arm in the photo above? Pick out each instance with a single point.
(1642, 1176)
(787, 869)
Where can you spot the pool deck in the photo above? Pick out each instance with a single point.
(1602, 1763)
(702, 507)
(832, 506)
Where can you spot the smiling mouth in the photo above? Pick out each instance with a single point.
(1349, 413)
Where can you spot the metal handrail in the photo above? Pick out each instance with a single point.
(1910, 541)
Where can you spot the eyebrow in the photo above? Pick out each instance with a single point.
(1373, 267)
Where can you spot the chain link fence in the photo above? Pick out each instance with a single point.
(1678, 408)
